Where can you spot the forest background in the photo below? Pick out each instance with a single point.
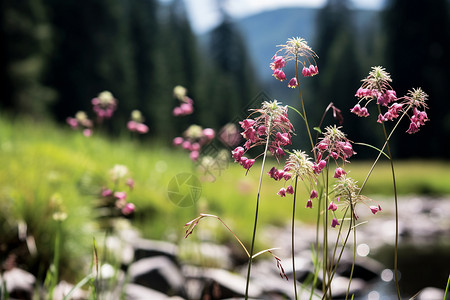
(55, 56)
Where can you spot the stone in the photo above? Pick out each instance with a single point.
(158, 273)
(144, 248)
(431, 293)
(63, 288)
(19, 283)
(220, 284)
(139, 292)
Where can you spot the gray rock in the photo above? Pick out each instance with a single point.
(431, 293)
(19, 283)
(63, 288)
(139, 292)
(148, 248)
(159, 273)
(220, 284)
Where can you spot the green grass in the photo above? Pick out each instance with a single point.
(45, 168)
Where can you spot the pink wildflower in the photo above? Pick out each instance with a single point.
(72, 122)
(332, 206)
(247, 123)
(178, 141)
(360, 111)
(290, 189)
(209, 133)
(413, 128)
(186, 145)
(282, 192)
(306, 72)
(278, 62)
(313, 194)
(120, 195)
(381, 118)
(128, 209)
(130, 183)
(141, 128)
(279, 74)
(293, 83)
(177, 111)
(237, 153)
(339, 172)
(309, 203)
(247, 163)
(334, 222)
(194, 155)
(186, 108)
(319, 166)
(375, 209)
(106, 192)
(87, 132)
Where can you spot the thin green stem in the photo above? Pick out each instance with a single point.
(325, 233)
(382, 149)
(293, 239)
(303, 108)
(396, 209)
(352, 221)
(250, 260)
(333, 272)
(446, 289)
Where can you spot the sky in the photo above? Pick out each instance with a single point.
(204, 14)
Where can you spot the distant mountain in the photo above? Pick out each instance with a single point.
(264, 31)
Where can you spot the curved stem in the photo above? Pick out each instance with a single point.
(250, 260)
(382, 149)
(293, 239)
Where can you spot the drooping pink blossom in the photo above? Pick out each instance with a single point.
(375, 209)
(237, 153)
(290, 189)
(309, 203)
(279, 74)
(339, 172)
(313, 194)
(278, 62)
(293, 83)
(332, 206)
(360, 111)
(282, 192)
(334, 222)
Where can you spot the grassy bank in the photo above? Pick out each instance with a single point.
(47, 168)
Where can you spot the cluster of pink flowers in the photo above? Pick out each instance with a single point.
(81, 120)
(376, 86)
(333, 145)
(347, 192)
(186, 106)
(194, 138)
(136, 123)
(298, 50)
(115, 198)
(298, 166)
(104, 105)
(271, 125)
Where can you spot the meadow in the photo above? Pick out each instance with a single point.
(48, 168)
